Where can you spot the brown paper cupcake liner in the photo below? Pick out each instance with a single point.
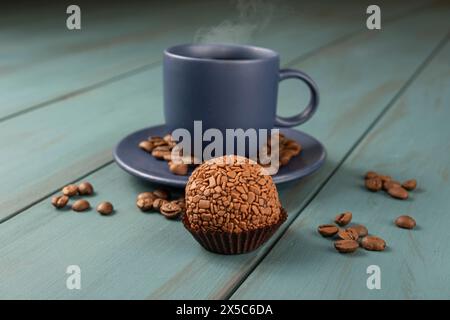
(232, 242)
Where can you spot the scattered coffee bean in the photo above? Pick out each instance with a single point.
(410, 184)
(385, 178)
(157, 141)
(167, 138)
(85, 188)
(161, 194)
(360, 229)
(284, 160)
(158, 203)
(160, 152)
(343, 218)
(178, 169)
(348, 234)
(170, 210)
(398, 193)
(391, 184)
(162, 148)
(60, 201)
(146, 146)
(292, 146)
(371, 174)
(80, 205)
(70, 190)
(288, 149)
(346, 246)
(144, 195)
(405, 222)
(374, 184)
(145, 204)
(328, 230)
(181, 202)
(170, 140)
(373, 243)
(105, 208)
(394, 188)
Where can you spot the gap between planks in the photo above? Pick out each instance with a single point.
(154, 64)
(280, 234)
(354, 33)
(80, 91)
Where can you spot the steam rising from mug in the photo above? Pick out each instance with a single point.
(253, 16)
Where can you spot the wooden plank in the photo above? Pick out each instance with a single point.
(135, 255)
(20, 24)
(100, 23)
(109, 112)
(96, 54)
(103, 52)
(410, 141)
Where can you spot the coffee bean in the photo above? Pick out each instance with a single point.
(70, 190)
(60, 201)
(385, 178)
(346, 246)
(287, 152)
(85, 188)
(293, 146)
(288, 148)
(398, 193)
(158, 203)
(391, 184)
(343, 218)
(161, 194)
(160, 152)
(168, 138)
(181, 202)
(146, 146)
(360, 229)
(145, 204)
(105, 208)
(178, 169)
(405, 222)
(80, 205)
(144, 195)
(410, 184)
(373, 243)
(348, 234)
(374, 184)
(284, 160)
(371, 174)
(328, 230)
(157, 141)
(170, 210)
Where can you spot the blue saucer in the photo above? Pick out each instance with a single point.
(140, 164)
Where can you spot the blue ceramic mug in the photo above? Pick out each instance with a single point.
(228, 87)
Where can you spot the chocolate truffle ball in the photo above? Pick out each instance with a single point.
(231, 194)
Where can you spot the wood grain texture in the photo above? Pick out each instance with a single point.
(135, 255)
(80, 131)
(97, 53)
(411, 141)
(33, 34)
(113, 44)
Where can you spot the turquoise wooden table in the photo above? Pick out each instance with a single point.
(67, 97)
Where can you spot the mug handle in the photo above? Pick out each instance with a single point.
(307, 113)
